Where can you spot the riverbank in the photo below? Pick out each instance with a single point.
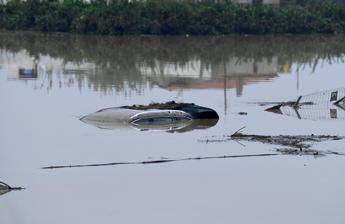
(172, 17)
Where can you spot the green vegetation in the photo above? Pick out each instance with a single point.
(120, 17)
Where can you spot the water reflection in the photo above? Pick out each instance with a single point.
(29, 72)
(125, 64)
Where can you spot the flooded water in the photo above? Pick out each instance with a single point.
(48, 82)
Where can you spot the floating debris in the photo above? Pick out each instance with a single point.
(5, 188)
(298, 145)
(279, 103)
(293, 141)
(242, 113)
(323, 105)
(299, 142)
(282, 151)
(307, 152)
(165, 160)
(170, 116)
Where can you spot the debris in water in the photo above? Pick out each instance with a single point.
(5, 188)
(307, 152)
(300, 142)
(323, 105)
(242, 113)
(165, 160)
(282, 151)
(293, 141)
(298, 145)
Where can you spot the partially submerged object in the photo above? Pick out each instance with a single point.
(289, 144)
(110, 118)
(195, 111)
(170, 116)
(307, 152)
(293, 141)
(323, 105)
(5, 188)
(160, 117)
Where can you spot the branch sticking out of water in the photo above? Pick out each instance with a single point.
(238, 131)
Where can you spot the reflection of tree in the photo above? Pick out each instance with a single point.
(118, 59)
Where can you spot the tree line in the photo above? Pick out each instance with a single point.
(172, 17)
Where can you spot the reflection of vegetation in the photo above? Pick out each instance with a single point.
(172, 17)
(118, 59)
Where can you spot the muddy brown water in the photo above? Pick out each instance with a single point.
(49, 81)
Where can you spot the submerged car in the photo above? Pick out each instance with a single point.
(170, 116)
